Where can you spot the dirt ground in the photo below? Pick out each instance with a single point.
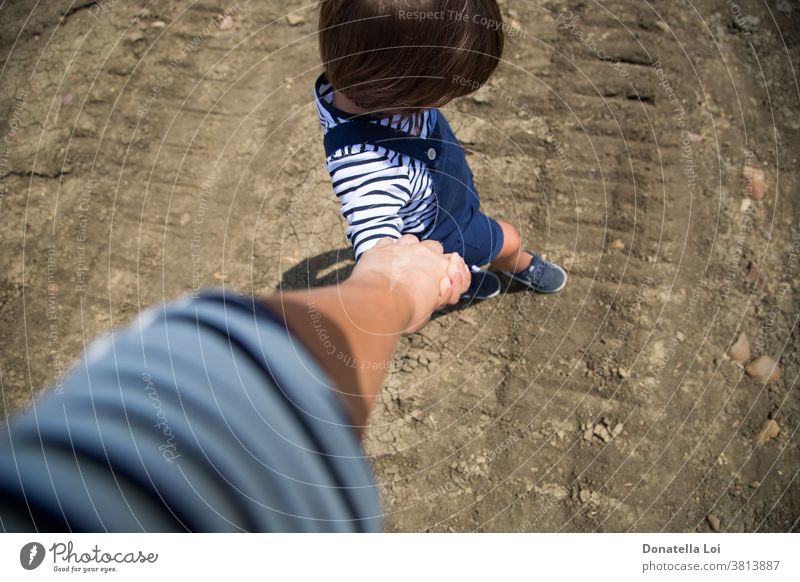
(152, 148)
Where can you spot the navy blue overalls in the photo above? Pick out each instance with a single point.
(460, 225)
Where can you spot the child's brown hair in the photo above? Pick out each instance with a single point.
(398, 56)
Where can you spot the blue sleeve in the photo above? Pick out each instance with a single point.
(203, 415)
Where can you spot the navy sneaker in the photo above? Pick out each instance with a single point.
(484, 285)
(541, 276)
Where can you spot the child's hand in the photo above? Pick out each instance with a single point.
(419, 274)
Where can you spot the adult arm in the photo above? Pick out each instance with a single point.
(352, 330)
(208, 415)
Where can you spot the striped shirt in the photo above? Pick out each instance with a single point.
(383, 193)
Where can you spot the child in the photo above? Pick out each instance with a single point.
(395, 164)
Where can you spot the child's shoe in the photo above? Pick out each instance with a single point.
(541, 276)
(484, 285)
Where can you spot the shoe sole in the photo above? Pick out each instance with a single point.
(529, 285)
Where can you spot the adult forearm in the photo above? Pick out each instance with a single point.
(352, 331)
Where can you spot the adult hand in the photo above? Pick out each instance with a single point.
(418, 273)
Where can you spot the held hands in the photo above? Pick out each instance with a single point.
(418, 274)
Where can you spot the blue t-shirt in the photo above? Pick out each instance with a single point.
(203, 415)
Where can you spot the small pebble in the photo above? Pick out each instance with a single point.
(616, 245)
(714, 521)
(755, 181)
(740, 350)
(768, 431)
(226, 23)
(463, 316)
(764, 369)
(295, 19)
(482, 95)
(695, 137)
(602, 433)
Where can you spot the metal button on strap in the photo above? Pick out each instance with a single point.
(431, 154)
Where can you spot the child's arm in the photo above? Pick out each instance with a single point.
(372, 191)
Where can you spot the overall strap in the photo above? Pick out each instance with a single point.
(360, 131)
